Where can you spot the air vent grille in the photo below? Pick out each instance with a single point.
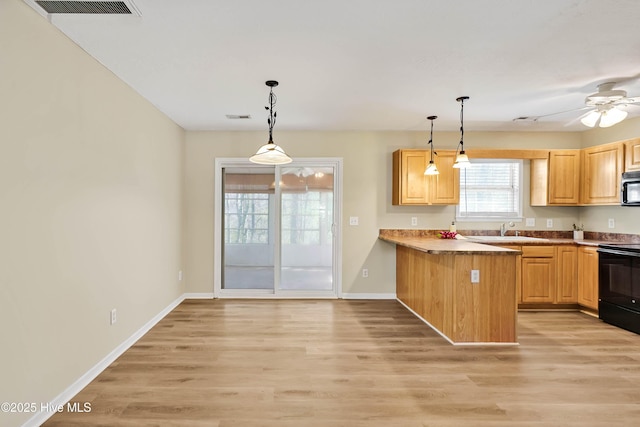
(54, 6)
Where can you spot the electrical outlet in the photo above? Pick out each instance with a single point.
(475, 276)
(353, 220)
(530, 222)
(549, 223)
(113, 317)
(414, 220)
(612, 223)
(180, 276)
(365, 272)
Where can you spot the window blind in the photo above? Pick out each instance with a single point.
(490, 189)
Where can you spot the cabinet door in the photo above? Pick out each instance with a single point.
(445, 187)
(601, 170)
(632, 154)
(409, 182)
(538, 274)
(588, 277)
(566, 278)
(412, 187)
(564, 177)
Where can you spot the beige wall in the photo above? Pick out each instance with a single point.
(91, 179)
(367, 193)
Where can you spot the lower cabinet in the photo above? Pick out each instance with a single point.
(549, 275)
(588, 277)
(567, 274)
(538, 274)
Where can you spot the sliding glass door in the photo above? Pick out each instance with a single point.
(277, 239)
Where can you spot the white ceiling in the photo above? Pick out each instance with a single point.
(368, 64)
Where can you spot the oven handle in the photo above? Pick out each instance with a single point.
(619, 252)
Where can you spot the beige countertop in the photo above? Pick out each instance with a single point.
(436, 246)
(427, 241)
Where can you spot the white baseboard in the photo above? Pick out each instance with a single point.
(198, 295)
(40, 417)
(368, 296)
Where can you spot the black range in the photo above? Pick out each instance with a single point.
(619, 285)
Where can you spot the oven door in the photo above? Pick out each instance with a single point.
(619, 277)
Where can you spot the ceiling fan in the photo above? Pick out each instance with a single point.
(606, 107)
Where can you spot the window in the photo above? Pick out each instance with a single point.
(246, 218)
(490, 190)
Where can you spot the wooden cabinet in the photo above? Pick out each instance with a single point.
(601, 171)
(588, 277)
(538, 274)
(631, 154)
(548, 275)
(567, 274)
(556, 181)
(412, 187)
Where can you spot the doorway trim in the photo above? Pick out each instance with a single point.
(218, 292)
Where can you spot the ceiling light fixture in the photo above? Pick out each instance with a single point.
(607, 115)
(270, 153)
(432, 169)
(462, 160)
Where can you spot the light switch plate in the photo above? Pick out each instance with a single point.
(353, 220)
(530, 222)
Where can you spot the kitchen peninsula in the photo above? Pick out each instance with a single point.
(434, 280)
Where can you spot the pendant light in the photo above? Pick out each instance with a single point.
(270, 153)
(432, 169)
(462, 161)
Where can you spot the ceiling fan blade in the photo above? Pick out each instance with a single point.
(580, 117)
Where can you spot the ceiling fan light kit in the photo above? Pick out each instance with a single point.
(270, 153)
(605, 108)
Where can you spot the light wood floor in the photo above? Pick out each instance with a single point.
(361, 363)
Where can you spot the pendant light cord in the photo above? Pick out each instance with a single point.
(272, 115)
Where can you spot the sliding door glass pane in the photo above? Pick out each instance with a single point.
(248, 245)
(306, 228)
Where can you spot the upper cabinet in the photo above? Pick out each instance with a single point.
(601, 171)
(590, 176)
(631, 154)
(555, 181)
(412, 187)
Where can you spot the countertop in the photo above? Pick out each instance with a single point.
(438, 246)
(427, 241)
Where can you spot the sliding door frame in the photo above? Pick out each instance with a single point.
(218, 264)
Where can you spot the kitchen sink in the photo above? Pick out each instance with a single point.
(507, 239)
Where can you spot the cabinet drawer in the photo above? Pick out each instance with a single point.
(538, 251)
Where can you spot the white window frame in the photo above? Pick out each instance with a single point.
(497, 217)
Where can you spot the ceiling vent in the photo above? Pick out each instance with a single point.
(88, 7)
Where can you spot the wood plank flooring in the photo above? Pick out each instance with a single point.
(289, 363)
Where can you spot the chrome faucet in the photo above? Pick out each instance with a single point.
(503, 228)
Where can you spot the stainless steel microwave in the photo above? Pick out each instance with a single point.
(630, 189)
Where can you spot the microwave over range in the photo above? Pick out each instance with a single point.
(630, 189)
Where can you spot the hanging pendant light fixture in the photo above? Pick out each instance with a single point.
(462, 161)
(432, 169)
(270, 153)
